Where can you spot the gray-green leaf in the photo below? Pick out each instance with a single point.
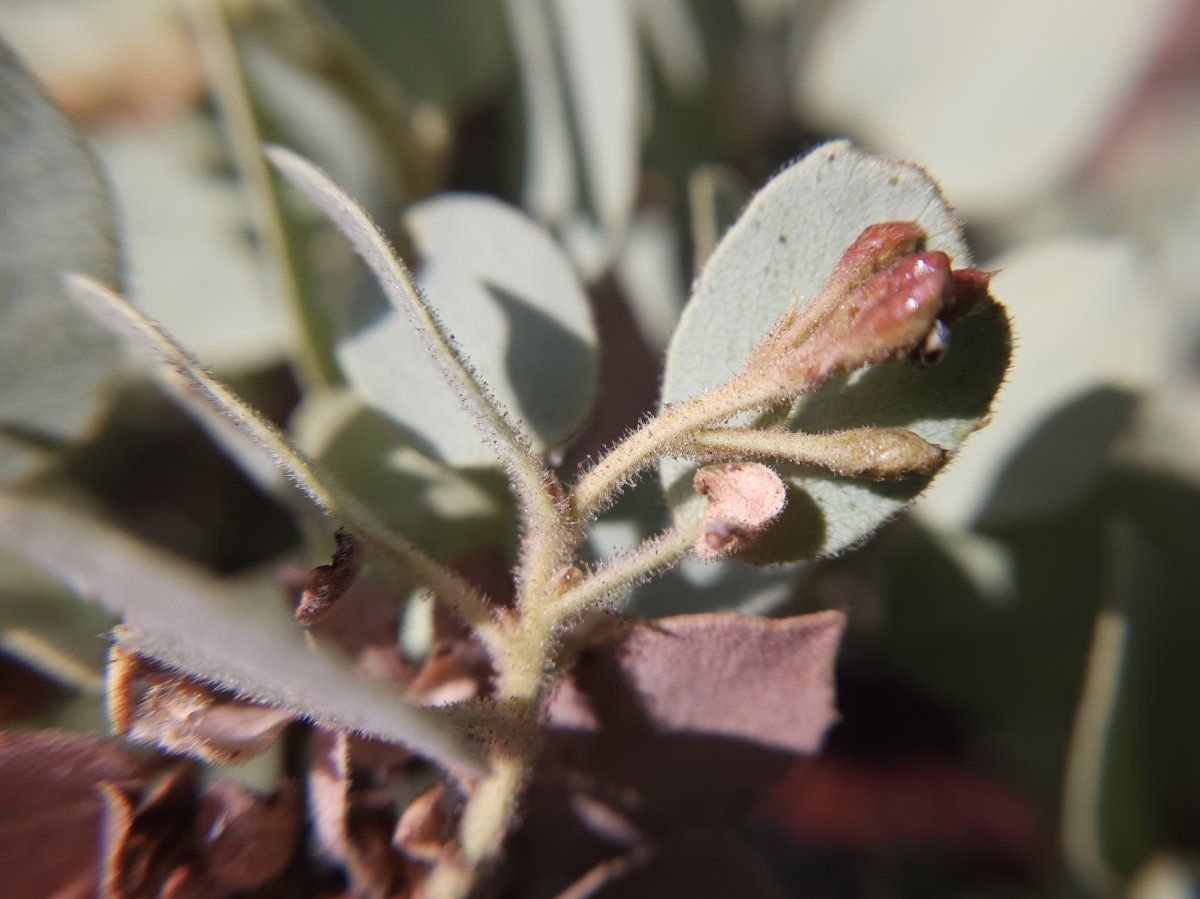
(863, 76)
(44, 626)
(579, 72)
(784, 247)
(511, 299)
(234, 633)
(56, 214)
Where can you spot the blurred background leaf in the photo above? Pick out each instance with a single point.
(579, 73)
(1029, 112)
(57, 215)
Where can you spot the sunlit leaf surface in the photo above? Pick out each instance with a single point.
(783, 248)
(579, 70)
(510, 298)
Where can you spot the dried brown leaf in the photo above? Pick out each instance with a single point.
(190, 881)
(147, 832)
(50, 812)
(329, 583)
(125, 859)
(668, 726)
(456, 671)
(422, 831)
(233, 731)
(352, 829)
(765, 680)
(329, 791)
(183, 715)
(362, 624)
(247, 840)
(119, 677)
(379, 756)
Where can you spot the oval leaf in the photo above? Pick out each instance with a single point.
(784, 248)
(50, 833)
(115, 313)
(768, 681)
(57, 215)
(186, 225)
(510, 297)
(579, 71)
(864, 77)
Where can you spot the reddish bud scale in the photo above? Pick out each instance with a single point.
(970, 288)
(878, 248)
(889, 315)
(886, 298)
(895, 309)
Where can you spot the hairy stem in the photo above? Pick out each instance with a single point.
(485, 822)
(397, 551)
(623, 570)
(535, 486)
(492, 807)
(525, 654)
(524, 660)
(666, 431)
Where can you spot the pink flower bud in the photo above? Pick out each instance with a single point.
(884, 300)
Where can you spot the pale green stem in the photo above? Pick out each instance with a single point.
(525, 655)
(524, 662)
(624, 570)
(451, 878)
(1083, 784)
(485, 822)
(400, 553)
(666, 431)
(315, 364)
(723, 443)
(491, 807)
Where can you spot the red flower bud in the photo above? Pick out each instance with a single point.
(882, 301)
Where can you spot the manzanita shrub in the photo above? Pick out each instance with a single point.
(837, 350)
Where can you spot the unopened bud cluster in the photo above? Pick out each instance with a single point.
(887, 298)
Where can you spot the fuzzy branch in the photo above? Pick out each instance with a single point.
(119, 316)
(544, 524)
